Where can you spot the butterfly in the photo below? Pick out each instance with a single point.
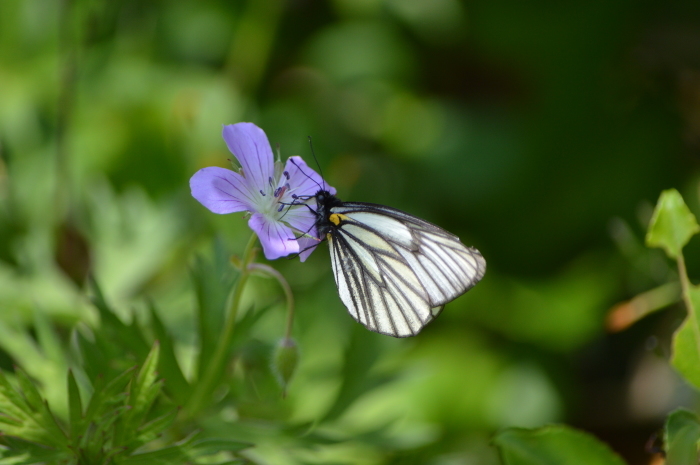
(394, 272)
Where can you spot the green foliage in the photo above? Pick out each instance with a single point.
(522, 127)
(681, 438)
(117, 417)
(672, 224)
(553, 445)
(671, 227)
(686, 341)
(110, 427)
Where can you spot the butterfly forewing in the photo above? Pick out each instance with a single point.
(394, 271)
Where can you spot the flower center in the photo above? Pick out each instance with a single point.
(271, 204)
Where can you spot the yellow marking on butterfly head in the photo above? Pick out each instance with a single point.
(336, 218)
(329, 237)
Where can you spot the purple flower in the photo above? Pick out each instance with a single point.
(265, 189)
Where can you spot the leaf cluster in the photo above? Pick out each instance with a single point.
(671, 228)
(120, 416)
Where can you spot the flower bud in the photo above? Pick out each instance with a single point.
(284, 361)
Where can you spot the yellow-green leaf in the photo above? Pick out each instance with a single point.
(672, 224)
(553, 445)
(681, 436)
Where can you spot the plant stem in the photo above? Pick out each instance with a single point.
(206, 385)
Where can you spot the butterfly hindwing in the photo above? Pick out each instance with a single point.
(394, 271)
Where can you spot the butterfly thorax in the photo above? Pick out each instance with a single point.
(325, 221)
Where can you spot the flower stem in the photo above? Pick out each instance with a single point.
(287, 293)
(206, 385)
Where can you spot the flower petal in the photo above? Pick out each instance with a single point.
(221, 190)
(306, 246)
(301, 219)
(303, 180)
(249, 144)
(276, 238)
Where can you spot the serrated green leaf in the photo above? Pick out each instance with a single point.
(10, 421)
(553, 445)
(75, 407)
(57, 436)
(21, 452)
(129, 338)
(168, 366)
(211, 446)
(135, 417)
(11, 401)
(167, 455)
(681, 436)
(672, 224)
(93, 361)
(106, 396)
(176, 453)
(144, 389)
(686, 342)
(153, 428)
(29, 390)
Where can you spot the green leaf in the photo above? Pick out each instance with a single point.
(117, 338)
(686, 342)
(143, 391)
(11, 402)
(553, 445)
(681, 436)
(75, 407)
(177, 386)
(672, 224)
(154, 428)
(211, 446)
(140, 396)
(105, 397)
(31, 393)
(20, 452)
(177, 453)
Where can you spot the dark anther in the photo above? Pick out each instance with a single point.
(277, 191)
(270, 180)
(280, 208)
(263, 194)
(286, 174)
(294, 196)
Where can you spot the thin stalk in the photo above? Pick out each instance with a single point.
(206, 385)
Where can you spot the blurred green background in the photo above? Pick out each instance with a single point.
(539, 132)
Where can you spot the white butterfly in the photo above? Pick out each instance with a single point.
(394, 272)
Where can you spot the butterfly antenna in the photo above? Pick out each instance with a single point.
(317, 164)
(302, 172)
